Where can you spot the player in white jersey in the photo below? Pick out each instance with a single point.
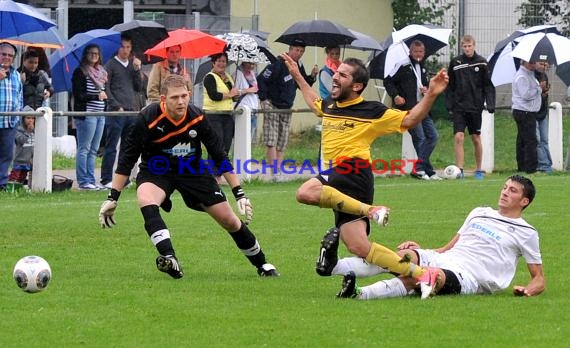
(481, 258)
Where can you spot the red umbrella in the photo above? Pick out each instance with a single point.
(195, 44)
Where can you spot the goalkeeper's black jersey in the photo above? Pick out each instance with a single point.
(163, 142)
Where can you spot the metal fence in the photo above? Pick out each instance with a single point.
(490, 21)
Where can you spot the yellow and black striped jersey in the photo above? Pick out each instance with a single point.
(349, 128)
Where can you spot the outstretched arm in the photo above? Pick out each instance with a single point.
(437, 85)
(536, 284)
(309, 94)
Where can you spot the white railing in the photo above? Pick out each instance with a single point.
(42, 172)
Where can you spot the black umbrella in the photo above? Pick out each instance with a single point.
(317, 32)
(145, 34)
(563, 71)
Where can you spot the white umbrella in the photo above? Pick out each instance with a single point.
(395, 49)
(502, 64)
(550, 47)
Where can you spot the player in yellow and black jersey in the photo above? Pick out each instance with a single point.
(168, 136)
(350, 125)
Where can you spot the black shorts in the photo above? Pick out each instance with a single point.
(471, 120)
(358, 184)
(451, 285)
(197, 190)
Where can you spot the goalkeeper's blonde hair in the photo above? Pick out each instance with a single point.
(172, 81)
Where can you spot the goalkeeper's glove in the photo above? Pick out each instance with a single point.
(243, 204)
(107, 210)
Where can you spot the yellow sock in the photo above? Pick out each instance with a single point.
(386, 258)
(333, 198)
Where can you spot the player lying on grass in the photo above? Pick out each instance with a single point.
(168, 136)
(480, 259)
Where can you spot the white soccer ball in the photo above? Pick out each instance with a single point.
(32, 273)
(452, 172)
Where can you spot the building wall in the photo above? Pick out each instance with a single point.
(371, 17)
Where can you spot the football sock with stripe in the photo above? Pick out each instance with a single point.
(334, 199)
(249, 246)
(157, 230)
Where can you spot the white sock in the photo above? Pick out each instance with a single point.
(383, 289)
(358, 265)
(159, 236)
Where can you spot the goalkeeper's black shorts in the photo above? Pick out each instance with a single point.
(195, 189)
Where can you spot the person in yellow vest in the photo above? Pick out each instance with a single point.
(219, 97)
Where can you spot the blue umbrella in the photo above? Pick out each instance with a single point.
(17, 19)
(64, 61)
(47, 39)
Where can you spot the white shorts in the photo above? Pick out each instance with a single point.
(431, 258)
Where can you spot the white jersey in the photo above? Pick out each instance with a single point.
(489, 247)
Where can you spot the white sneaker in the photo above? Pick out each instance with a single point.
(420, 174)
(108, 185)
(89, 187)
(380, 215)
(278, 178)
(435, 177)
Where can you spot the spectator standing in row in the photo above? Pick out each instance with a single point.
(527, 98)
(159, 72)
(36, 82)
(246, 84)
(470, 90)
(332, 62)
(543, 152)
(219, 94)
(123, 87)
(88, 87)
(277, 90)
(11, 99)
(406, 87)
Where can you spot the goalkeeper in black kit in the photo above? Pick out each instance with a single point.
(168, 136)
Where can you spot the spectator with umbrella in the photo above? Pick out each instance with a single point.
(527, 97)
(247, 49)
(470, 90)
(37, 84)
(406, 88)
(88, 86)
(332, 61)
(171, 65)
(543, 152)
(219, 94)
(12, 100)
(180, 44)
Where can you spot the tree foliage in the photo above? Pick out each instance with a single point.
(411, 12)
(537, 12)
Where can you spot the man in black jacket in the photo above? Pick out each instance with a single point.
(277, 90)
(469, 90)
(406, 87)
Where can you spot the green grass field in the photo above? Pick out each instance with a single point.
(106, 291)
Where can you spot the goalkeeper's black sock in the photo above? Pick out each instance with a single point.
(249, 246)
(157, 230)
